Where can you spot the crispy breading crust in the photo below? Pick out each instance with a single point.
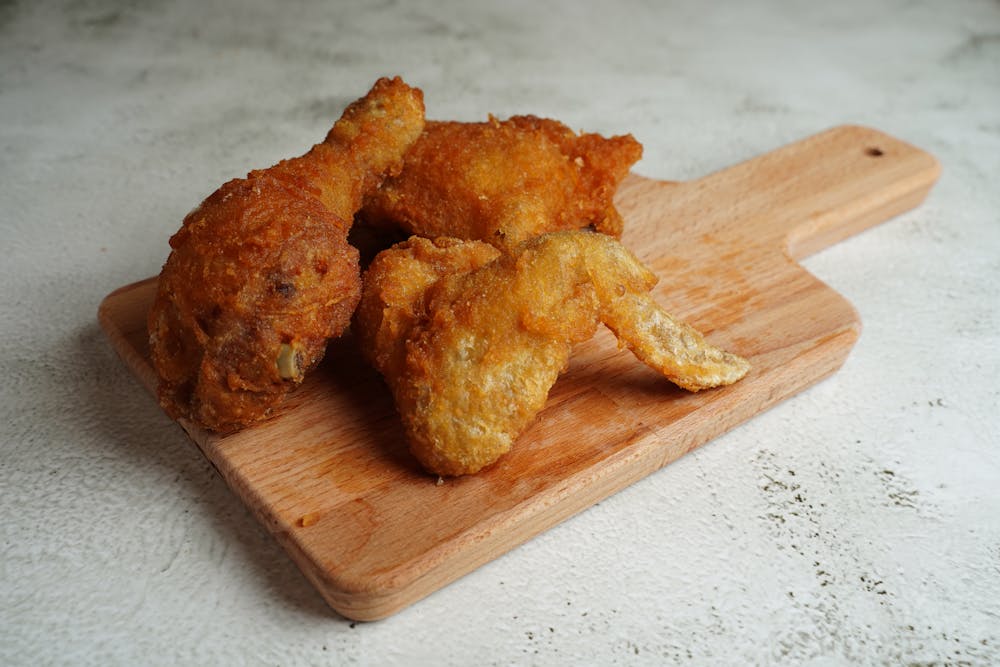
(504, 182)
(395, 285)
(261, 275)
(471, 347)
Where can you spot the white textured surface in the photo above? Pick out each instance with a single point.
(856, 523)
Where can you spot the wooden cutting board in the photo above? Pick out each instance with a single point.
(330, 475)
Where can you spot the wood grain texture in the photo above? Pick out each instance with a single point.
(330, 475)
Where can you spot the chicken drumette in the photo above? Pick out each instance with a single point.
(261, 275)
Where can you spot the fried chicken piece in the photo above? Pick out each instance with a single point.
(261, 274)
(470, 341)
(504, 182)
(395, 284)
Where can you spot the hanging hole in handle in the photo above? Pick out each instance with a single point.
(874, 151)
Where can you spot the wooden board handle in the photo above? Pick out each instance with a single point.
(800, 198)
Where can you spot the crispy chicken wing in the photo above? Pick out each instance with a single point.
(261, 275)
(473, 343)
(504, 182)
(395, 286)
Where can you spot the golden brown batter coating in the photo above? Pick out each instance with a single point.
(472, 346)
(261, 275)
(504, 182)
(395, 285)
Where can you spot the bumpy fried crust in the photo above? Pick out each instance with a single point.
(261, 275)
(505, 182)
(395, 285)
(471, 350)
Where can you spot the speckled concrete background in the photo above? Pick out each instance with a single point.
(857, 523)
